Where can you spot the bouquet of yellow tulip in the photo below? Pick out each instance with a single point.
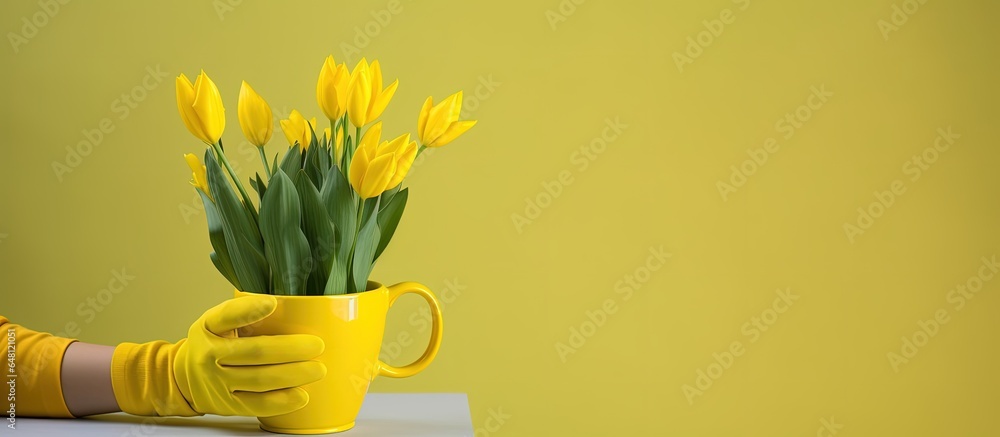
(330, 205)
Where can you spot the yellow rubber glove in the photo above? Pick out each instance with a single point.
(215, 372)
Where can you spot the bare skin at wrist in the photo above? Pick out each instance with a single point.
(86, 379)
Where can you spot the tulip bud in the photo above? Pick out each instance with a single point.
(366, 99)
(255, 116)
(201, 109)
(332, 89)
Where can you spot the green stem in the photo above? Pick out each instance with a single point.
(343, 151)
(333, 142)
(420, 150)
(236, 179)
(267, 168)
(361, 213)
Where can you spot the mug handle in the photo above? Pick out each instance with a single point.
(437, 327)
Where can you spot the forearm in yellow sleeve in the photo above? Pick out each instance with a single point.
(32, 368)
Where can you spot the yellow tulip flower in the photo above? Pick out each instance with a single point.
(200, 106)
(406, 152)
(371, 137)
(377, 167)
(366, 99)
(255, 116)
(439, 125)
(331, 89)
(297, 129)
(198, 171)
(359, 94)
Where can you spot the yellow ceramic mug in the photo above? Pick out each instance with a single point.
(351, 325)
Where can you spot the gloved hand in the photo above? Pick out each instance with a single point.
(215, 372)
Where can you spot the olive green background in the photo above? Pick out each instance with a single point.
(544, 79)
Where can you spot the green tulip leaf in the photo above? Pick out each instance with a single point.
(253, 184)
(312, 164)
(336, 283)
(285, 245)
(388, 219)
(386, 196)
(324, 160)
(339, 198)
(242, 237)
(220, 257)
(258, 186)
(319, 231)
(314, 139)
(292, 162)
(370, 206)
(341, 204)
(364, 251)
(225, 269)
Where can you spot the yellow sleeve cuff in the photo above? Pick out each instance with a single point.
(33, 363)
(142, 376)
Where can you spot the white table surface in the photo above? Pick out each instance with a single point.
(383, 414)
